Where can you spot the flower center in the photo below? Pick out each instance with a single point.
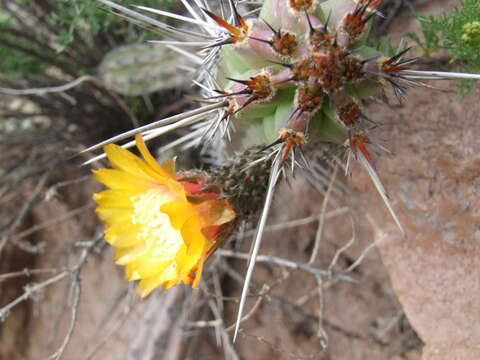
(156, 231)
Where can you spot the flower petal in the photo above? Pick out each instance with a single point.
(150, 159)
(178, 212)
(133, 254)
(147, 267)
(215, 212)
(114, 198)
(120, 180)
(146, 286)
(192, 236)
(111, 215)
(198, 275)
(122, 159)
(170, 284)
(147, 169)
(169, 167)
(195, 243)
(122, 235)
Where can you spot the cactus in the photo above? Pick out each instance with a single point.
(296, 73)
(141, 69)
(305, 67)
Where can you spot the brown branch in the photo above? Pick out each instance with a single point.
(29, 291)
(17, 221)
(27, 273)
(76, 289)
(282, 262)
(72, 84)
(32, 289)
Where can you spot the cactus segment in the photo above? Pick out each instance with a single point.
(325, 127)
(230, 65)
(317, 52)
(141, 69)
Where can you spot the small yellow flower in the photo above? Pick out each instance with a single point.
(163, 225)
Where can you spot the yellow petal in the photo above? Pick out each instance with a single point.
(114, 198)
(131, 274)
(169, 167)
(149, 157)
(168, 278)
(198, 274)
(192, 236)
(112, 215)
(120, 180)
(188, 257)
(147, 169)
(177, 188)
(178, 212)
(170, 274)
(122, 235)
(132, 255)
(147, 267)
(170, 284)
(166, 170)
(146, 286)
(122, 159)
(119, 252)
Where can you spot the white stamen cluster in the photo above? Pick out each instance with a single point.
(160, 237)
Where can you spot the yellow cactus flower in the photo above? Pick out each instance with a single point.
(163, 225)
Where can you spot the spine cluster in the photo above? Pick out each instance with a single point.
(320, 59)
